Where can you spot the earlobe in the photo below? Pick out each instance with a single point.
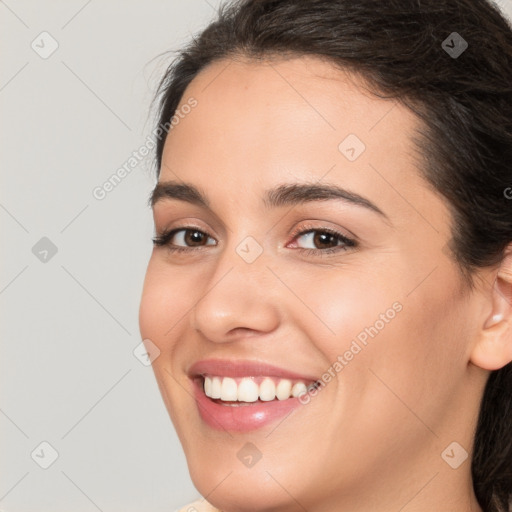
(493, 348)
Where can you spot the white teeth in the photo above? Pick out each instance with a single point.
(208, 386)
(283, 389)
(216, 388)
(229, 389)
(247, 389)
(267, 390)
(298, 389)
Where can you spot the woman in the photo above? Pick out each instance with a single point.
(330, 288)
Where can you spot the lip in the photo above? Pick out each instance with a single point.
(241, 418)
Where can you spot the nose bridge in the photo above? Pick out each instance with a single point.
(237, 295)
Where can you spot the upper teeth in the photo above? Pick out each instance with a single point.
(248, 390)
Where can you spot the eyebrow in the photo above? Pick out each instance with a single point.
(288, 194)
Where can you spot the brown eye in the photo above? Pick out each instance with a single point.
(194, 237)
(324, 239)
(183, 238)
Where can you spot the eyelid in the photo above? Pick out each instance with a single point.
(308, 227)
(166, 235)
(348, 241)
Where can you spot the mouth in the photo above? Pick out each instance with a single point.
(247, 390)
(241, 395)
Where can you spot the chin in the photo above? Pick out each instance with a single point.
(244, 490)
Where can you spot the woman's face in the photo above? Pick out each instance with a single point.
(276, 286)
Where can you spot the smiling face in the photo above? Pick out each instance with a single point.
(347, 283)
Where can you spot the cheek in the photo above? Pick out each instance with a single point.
(341, 307)
(414, 364)
(161, 304)
(395, 348)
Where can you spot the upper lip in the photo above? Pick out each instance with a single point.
(243, 368)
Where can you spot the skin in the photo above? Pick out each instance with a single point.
(372, 438)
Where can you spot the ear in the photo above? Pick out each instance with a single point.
(493, 348)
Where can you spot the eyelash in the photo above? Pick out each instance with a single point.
(164, 239)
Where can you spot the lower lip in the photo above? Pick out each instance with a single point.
(241, 418)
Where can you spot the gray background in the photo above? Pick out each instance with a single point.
(70, 319)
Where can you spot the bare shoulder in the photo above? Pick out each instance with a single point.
(200, 505)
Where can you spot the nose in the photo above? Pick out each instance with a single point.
(240, 298)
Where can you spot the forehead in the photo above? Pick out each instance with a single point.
(244, 104)
(310, 89)
(256, 121)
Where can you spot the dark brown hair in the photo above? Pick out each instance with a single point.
(406, 50)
